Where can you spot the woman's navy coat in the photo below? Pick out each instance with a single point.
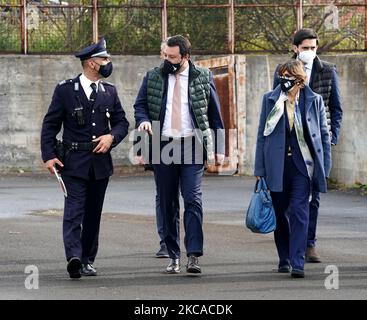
(270, 150)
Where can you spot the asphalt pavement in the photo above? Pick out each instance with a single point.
(237, 264)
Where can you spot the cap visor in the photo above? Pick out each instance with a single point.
(101, 55)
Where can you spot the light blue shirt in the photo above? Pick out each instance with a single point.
(308, 69)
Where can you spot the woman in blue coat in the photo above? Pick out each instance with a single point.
(293, 155)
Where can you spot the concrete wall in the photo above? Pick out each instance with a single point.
(26, 93)
(28, 82)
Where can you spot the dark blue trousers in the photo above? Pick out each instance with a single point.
(82, 216)
(292, 212)
(314, 212)
(187, 177)
(159, 218)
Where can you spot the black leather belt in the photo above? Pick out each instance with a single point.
(80, 146)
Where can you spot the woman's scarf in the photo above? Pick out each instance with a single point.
(272, 120)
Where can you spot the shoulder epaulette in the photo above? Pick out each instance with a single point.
(65, 81)
(108, 83)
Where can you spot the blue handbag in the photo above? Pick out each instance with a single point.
(260, 216)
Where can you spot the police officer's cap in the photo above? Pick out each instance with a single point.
(95, 50)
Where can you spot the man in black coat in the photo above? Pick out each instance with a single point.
(93, 123)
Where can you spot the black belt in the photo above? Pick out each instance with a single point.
(80, 146)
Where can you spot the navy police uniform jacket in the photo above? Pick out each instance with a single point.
(101, 117)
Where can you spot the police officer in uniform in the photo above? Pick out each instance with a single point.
(93, 123)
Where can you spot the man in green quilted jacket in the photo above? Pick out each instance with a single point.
(178, 106)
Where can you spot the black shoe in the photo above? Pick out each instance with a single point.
(174, 266)
(74, 266)
(162, 252)
(88, 270)
(297, 273)
(284, 269)
(193, 265)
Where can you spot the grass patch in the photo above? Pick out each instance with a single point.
(357, 187)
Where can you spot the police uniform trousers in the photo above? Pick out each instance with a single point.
(183, 173)
(82, 216)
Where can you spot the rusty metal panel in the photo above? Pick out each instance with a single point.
(223, 69)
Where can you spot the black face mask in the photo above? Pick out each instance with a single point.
(170, 68)
(105, 70)
(287, 84)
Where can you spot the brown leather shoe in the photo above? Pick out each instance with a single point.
(312, 256)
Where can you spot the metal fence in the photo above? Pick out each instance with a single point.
(213, 26)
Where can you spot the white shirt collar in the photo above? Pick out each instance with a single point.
(185, 72)
(85, 82)
(309, 65)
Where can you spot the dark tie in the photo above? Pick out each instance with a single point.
(93, 95)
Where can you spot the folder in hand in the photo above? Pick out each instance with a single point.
(61, 182)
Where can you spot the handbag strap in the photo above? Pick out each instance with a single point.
(263, 185)
(260, 185)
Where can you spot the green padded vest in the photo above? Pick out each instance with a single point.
(199, 95)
